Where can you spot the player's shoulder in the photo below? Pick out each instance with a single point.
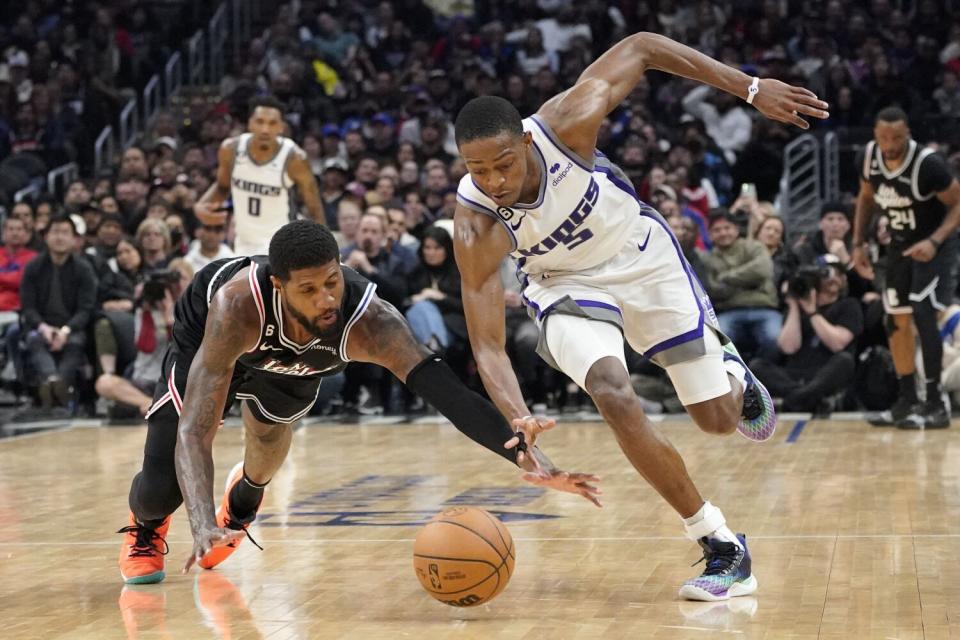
(231, 144)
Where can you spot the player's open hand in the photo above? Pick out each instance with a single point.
(578, 483)
(922, 251)
(207, 539)
(531, 427)
(785, 103)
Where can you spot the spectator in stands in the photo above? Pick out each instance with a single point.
(58, 294)
(153, 238)
(833, 236)
(817, 340)
(331, 190)
(134, 165)
(740, 283)
(348, 220)
(727, 122)
(153, 321)
(686, 231)
(368, 256)
(210, 245)
(24, 212)
(770, 233)
(435, 310)
(13, 260)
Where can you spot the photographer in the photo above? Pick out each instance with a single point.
(819, 332)
(153, 322)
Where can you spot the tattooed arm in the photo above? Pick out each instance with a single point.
(233, 327)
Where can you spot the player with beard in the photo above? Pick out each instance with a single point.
(266, 331)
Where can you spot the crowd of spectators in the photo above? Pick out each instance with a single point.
(371, 90)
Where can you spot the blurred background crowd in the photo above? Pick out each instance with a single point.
(371, 89)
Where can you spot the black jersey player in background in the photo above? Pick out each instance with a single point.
(266, 332)
(913, 186)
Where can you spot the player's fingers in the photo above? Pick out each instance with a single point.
(190, 561)
(811, 100)
(546, 423)
(795, 119)
(511, 443)
(813, 112)
(804, 91)
(592, 498)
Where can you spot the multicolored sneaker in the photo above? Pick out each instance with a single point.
(141, 560)
(217, 555)
(758, 418)
(727, 574)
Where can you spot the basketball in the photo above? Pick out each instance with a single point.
(464, 556)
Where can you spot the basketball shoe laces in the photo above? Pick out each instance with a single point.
(236, 525)
(144, 545)
(752, 404)
(721, 557)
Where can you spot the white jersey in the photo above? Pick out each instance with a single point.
(261, 196)
(588, 246)
(585, 212)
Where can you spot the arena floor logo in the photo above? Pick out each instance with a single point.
(366, 502)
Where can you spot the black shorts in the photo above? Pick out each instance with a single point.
(272, 399)
(909, 281)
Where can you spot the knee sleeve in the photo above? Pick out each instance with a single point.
(575, 343)
(702, 378)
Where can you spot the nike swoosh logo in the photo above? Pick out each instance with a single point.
(646, 240)
(266, 347)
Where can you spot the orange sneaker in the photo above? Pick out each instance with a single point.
(218, 554)
(141, 558)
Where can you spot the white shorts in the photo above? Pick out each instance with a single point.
(576, 343)
(648, 290)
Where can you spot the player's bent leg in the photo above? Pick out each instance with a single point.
(265, 448)
(154, 495)
(591, 353)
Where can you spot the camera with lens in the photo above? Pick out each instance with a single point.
(157, 283)
(806, 279)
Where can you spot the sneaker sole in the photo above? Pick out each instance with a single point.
(150, 578)
(745, 588)
(206, 562)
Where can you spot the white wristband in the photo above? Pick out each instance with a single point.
(753, 90)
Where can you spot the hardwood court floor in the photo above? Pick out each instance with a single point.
(853, 531)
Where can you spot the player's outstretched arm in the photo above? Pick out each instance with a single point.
(480, 245)
(232, 327)
(302, 175)
(220, 189)
(383, 337)
(603, 85)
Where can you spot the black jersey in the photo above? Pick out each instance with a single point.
(908, 195)
(275, 354)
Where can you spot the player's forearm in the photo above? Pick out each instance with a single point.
(950, 223)
(202, 411)
(501, 383)
(194, 462)
(662, 53)
(215, 194)
(863, 214)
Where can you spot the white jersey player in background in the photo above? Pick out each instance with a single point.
(257, 171)
(597, 265)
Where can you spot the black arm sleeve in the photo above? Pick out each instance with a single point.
(934, 175)
(475, 417)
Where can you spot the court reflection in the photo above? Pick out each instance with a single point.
(221, 607)
(724, 615)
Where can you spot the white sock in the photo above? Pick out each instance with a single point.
(737, 370)
(709, 521)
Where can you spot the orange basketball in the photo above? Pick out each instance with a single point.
(464, 556)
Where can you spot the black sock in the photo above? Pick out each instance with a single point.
(245, 498)
(933, 391)
(908, 388)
